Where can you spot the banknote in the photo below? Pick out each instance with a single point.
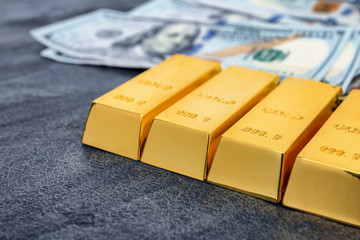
(63, 58)
(115, 39)
(327, 12)
(345, 67)
(195, 11)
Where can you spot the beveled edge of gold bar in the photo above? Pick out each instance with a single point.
(203, 178)
(270, 199)
(330, 167)
(87, 118)
(245, 192)
(106, 149)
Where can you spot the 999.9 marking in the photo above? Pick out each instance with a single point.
(129, 99)
(254, 131)
(191, 115)
(338, 152)
(259, 132)
(330, 150)
(186, 114)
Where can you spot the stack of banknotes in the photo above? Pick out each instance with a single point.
(301, 38)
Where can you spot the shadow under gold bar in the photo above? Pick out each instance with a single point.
(326, 176)
(119, 121)
(256, 155)
(184, 137)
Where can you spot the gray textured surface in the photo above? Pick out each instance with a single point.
(52, 187)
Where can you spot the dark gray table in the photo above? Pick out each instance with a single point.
(53, 187)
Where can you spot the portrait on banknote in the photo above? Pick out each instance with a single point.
(157, 43)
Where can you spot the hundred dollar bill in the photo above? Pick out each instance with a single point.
(345, 67)
(115, 39)
(63, 58)
(194, 11)
(327, 12)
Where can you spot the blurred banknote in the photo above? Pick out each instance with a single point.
(346, 66)
(111, 38)
(63, 58)
(331, 12)
(195, 11)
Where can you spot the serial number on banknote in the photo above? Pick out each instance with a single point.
(260, 133)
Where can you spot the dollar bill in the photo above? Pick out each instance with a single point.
(63, 58)
(345, 67)
(327, 12)
(115, 39)
(195, 11)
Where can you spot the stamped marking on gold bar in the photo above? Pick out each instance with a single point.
(331, 150)
(124, 98)
(129, 99)
(326, 173)
(186, 114)
(119, 121)
(184, 137)
(192, 115)
(216, 98)
(261, 133)
(256, 155)
(282, 113)
(206, 119)
(155, 84)
(338, 152)
(350, 129)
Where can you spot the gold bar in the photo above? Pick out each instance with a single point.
(184, 137)
(326, 175)
(256, 155)
(119, 121)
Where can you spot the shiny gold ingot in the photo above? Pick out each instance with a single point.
(326, 176)
(184, 137)
(119, 121)
(256, 155)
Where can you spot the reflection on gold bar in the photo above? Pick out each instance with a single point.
(119, 121)
(326, 176)
(256, 155)
(184, 137)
